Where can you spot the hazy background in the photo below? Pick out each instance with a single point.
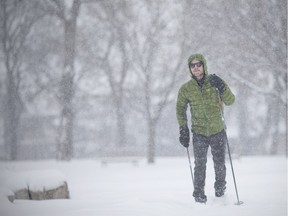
(93, 78)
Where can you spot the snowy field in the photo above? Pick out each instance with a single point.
(162, 189)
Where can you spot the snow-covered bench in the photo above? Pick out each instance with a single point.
(132, 160)
(120, 155)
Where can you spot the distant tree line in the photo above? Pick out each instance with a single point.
(89, 76)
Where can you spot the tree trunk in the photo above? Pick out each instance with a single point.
(11, 119)
(276, 112)
(265, 135)
(121, 126)
(243, 124)
(65, 148)
(151, 141)
(12, 97)
(67, 89)
(275, 137)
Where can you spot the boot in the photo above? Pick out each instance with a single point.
(201, 199)
(219, 192)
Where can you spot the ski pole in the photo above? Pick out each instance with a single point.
(234, 179)
(190, 167)
(229, 153)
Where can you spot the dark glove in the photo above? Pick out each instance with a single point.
(184, 136)
(217, 82)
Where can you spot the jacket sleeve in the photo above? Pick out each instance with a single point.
(227, 96)
(181, 107)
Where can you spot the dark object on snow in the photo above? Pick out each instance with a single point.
(11, 198)
(22, 194)
(60, 192)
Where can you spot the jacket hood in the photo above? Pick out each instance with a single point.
(199, 57)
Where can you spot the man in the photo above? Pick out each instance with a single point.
(205, 95)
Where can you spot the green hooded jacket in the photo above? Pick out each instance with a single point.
(205, 104)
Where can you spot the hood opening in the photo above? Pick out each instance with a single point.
(201, 58)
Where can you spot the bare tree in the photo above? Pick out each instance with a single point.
(263, 43)
(157, 73)
(112, 56)
(68, 15)
(17, 19)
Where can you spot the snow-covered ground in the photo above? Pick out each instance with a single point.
(162, 189)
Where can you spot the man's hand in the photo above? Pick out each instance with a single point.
(184, 136)
(217, 82)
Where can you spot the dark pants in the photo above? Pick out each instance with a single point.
(201, 143)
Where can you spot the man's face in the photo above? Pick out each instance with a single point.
(197, 69)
